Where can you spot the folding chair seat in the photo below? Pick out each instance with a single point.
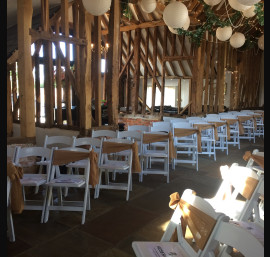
(212, 116)
(34, 180)
(222, 142)
(107, 133)
(141, 128)
(249, 185)
(70, 157)
(186, 144)
(233, 122)
(209, 229)
(155, 147)
(109, 163)
(208, 137)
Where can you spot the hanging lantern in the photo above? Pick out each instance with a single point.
(248, 2)
(148, 6)
(237, 40)
(249, 12)
(224, 33)
(237, 6)
(186, 25)
(175, 14)
(212, 2)
(97, 7)
(261, 42)
(174, 31)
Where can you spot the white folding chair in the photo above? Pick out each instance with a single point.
(56, 141)
(212, 116)
(209, 230)
(178, 120)
(156, 150)
(186, 147)
(61, 180)
(249, 185)
(222, 142)
(248, 126)
(138, 128)
(208, 140)
(162, 126)
(108, 163)
(10, 226)
(250, 163)
(88, 143)
(35, 180)
(234, 128)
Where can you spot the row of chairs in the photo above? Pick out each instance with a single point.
(218, 224)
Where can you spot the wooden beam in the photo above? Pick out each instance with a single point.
(9, 107)
(96, 75)
(176, 58)
(179, 97)
(25, 75)
(144, 25)
(112, 69)
(206, 88)
(85, 21)
(126, 64)
(44, 35)
(135, 88)
(145, 76)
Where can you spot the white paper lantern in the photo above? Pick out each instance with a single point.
(186, 25)
(97, 7)
(174, 31)
(248, 2)
(261, 42)
(237, 6)
(148, 6)
(224, 33)
(249, 12)
(212, 2)
(175, 14)
(237, 40)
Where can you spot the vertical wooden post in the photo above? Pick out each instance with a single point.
(37, 84)
(9, 107)
(163, 70)
(154, 70)
(212, 78)
(179, 97)
(96, 68)
(26, 80)
(14, 90)
(195, 74)
(206, 88)
(65, 31)
(135, 91)
(128, 95)
(145, 75)
(112, 80)
(85, 72)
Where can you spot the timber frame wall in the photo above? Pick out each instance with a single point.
(129, 58)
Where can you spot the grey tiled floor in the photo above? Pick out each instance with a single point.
(112, 223)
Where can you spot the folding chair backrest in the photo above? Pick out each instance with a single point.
(183, 120)
(11, 153)
(104, 133)
(93, 142)
(59, 141)
(35, 151)
(161, 126)
(249, 184)
(181, 125)
(139, 128)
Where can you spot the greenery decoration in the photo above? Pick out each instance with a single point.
(213, 22)
(259, 12)
(125, 10)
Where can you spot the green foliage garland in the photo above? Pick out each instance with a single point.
(125, 10)
(259, 12)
